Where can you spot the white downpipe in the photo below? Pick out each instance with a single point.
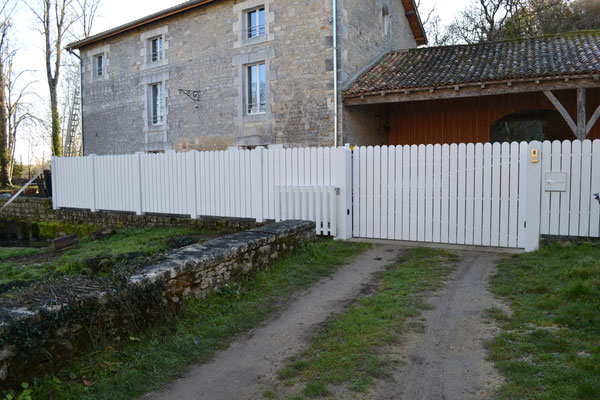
(335, 76)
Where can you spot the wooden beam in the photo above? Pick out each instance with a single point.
(473, 90)
(592, 121)
(561, 109)
(581, 117)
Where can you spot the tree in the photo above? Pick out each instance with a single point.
(5, 25)
(57, 20)
(489, 20)
(483, 21)
(18, 111)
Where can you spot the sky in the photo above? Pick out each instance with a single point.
(112, 13)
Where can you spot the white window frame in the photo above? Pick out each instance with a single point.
(248, 105)
(99, 65)
(253, 29)
(157, 104)
(159, 53)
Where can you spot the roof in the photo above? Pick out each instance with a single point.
(414, 20)
(140, 22)
(412, 14)
(553, 56)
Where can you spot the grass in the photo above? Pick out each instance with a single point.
(549, 348)
(160, 354)
(8, 253)
(349, 350)
(143, 241)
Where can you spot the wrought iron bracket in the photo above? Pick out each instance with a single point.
(192, 94)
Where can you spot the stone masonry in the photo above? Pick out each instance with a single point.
(204, 51)
(37, 335)
(40, 210)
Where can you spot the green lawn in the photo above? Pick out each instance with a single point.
(348, 352)
(6, 253)
(550, 347)
(144, 362)
(127, 241)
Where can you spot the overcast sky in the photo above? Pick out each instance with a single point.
(117, 12)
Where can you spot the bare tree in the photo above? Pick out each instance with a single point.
(57, 19)
(18, 110)
(6, 9)
(88, 10)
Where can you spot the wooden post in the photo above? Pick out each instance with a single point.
(581, 117)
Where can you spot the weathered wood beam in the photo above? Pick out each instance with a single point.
(459, 91)
(592, 121)
(581, 117)
(562, 110)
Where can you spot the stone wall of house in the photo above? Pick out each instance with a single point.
(205, 51)
(40, 209)
(363, 42)
(43, 327)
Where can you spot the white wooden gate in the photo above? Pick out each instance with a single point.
(470, 194)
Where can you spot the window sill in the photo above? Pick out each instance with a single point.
(252, 41)
(255, 117)
(155, 64)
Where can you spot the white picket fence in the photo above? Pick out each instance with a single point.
(260, 184)
(570, 210)
(500, 195)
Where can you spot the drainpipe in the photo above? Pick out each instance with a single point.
(70, 50)
(335, 76)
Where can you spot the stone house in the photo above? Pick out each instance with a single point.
(210, 74)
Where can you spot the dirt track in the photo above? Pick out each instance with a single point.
(447, 361)
(250, 364)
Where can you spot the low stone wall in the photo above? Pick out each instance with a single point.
(40, 209)
(37, 335)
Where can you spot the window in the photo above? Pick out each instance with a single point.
(157, 111)
(256, 96)
(386, 22)
(100, 65)
(256, 22)
(156, 49)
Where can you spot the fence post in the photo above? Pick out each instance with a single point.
(343, 181)
(256, 162)
(138, 190)
(192, 184)
(92, 181)
(54, 180)
(534, 193)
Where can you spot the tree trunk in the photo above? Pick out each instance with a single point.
(56, 136)
(3, 132)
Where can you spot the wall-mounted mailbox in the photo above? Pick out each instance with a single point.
(555, 181)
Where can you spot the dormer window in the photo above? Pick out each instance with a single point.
(255, 22)
(155, 49)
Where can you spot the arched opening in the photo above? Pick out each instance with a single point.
(531, 125)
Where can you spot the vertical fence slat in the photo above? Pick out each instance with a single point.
(429, 192)
(575, 188)
(594, 217)
(504, 193)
